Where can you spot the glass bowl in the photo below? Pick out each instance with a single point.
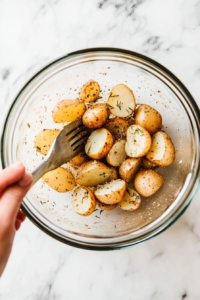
(152, 84)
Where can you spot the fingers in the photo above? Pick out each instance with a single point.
(17, 224)
(11, 175)
(21, 216)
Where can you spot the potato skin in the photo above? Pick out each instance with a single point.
(76, 206)
(149, 118)
(113, 198)
(114, 174)
(45, 139)
(105, 206)
(146, 164)
(131, 201)
(90, 91)
(96, 115)
(80, 159)
(60, 180)
(116, 154)
(117, 127)
(68, 111)
(147, 182)
(129, 168)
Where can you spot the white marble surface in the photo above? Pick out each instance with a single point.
(34, 32)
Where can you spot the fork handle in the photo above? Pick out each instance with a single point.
(39, 171)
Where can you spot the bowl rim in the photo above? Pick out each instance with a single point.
(168, 222)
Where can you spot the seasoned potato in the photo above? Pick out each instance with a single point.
(114, 174)
(105, 206)
(149, 118)
(83, 201)
(147, 182)
(89, 92)
(138, 141)
(130, 120)
(68, 111)
(44, 140)
(162, 151)
(146, 164)
(96, 115)
(131, 200)
(93, 173)
(112, 192)
(129, 168)
(121, 101)
(60, 180)
(116, 154)
(99, 143)
(80, 159)
(118, 127)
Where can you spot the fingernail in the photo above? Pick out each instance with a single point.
(26, 180)
(17, 165)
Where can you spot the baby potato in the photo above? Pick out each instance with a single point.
(129, 168)
(117, 154)
(96, 115)
(121, 101)
(80, 159)
(146, 164)
(44, 140)
(99, 143)
(68, 111)
(149, 118)
(105, 206)
(93, 173)
(130, 120)
(60, 180)
(112, 192)
(138, 141)
(147, 182)
(162, 151)
(83, 201)
(131, 201)
(114, 174)
(117, 127)
(90, 91)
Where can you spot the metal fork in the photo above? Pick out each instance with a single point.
(69, 143)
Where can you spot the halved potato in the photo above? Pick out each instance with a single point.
(118, 127)
(130, 120)
(114, 174)
(68, 111)
(60, 180)
(121, 101)
(146, 164)
(105, 206)
(149, 118)
(162, 151)
(99, 143)
(83, 201)
(131, 200)
(80, 159)
(147, 182)
(116, 154)
(138, 141)
(44, 140)
(89, 92)
(129, 168)
(112, 192)
(96, 115)
(93, 173)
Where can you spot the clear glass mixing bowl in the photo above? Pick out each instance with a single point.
(152, 84)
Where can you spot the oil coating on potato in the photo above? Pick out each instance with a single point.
(117, 154)
(129, 168)
(117, 127)
(147, 182)
(83, 201)
(131, 200)
(96, 115)
(68, 111)
(105, 206)
(60, 180)
(44, 140)
(80, 159)
(90, 91)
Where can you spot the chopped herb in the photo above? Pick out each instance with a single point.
(97, 217)
(146, 111)
(130, 109)
(128, 192)
(77, 204)
(108, 67)
(111, 107)
(101, 211)
(89, 149)
(28, 125)
(139, 130)
(119, 105)
(111, 95)
(38, 148)
(85, 189)
(99, 97)
(115, 127)
(102, 174)
(127, 111)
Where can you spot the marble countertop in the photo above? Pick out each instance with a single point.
(33, 33)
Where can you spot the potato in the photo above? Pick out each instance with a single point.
(121, 101)
(96, 115)
(138, 141)
(112, 192)
(146, 164)
(60, 180)
(116, 154)
(90, 91)
(93, 173)
(118, 127)
(162, 151)
(114, 174)
(147, 182)
(149, 118)
(83, 201)
(44, 140)
(105, 206)
(68, 111)
(130, 120)
(80, 159)
(129, 168)
(131, 200)
(99, 143)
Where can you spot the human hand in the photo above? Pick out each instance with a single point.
(14, 184)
